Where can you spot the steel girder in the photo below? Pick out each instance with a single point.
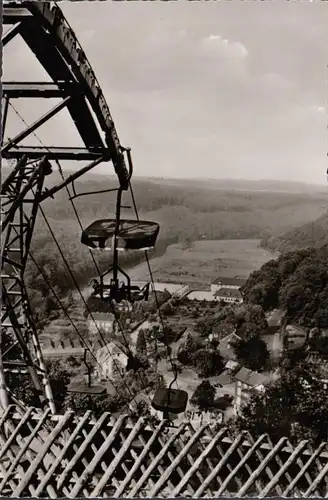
(46, 32)
(19, 197)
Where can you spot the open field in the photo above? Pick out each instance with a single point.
(204, 261)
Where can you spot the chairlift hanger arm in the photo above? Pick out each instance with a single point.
(49, 193)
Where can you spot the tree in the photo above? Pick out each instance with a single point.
(295, 406)
(204, 395)
(98, 404)
(69, 300)
(250, 321)
(22, 387)
(204, 327)
(186, 350)
(167, 308)
(252, 353)
(208, 362)
(141, 345)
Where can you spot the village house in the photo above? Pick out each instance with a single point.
(247, 383)
(229, 295)
(101, 321)
(221, 331)
(111, 360)
(295, 336)
(232, 283)
(226, 346)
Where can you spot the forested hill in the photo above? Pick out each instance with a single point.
(296, 282)
(310, 234)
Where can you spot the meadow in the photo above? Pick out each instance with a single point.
(203, 261)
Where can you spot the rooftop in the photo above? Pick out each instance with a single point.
(229, 281)
(251, 378)
(63, 352)
(109, 350)
(100, 316)
(225, 346)
(223, 329)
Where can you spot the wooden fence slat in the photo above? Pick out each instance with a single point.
(155, 462)
(15, 432)
(65, 449)
(262, 466)
(219, 466)
(152, 457)
(11, 426)
(177, 460)
(239, 466)
(138, 461)
(111, 469)
(304, 469)
(15, 462)
(316, 481)
(290, 460)
(198, 462)
(98, 456)
(70, 466)
(67, 418)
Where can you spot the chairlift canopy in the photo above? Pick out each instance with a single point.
(170, 400)
(132, 234)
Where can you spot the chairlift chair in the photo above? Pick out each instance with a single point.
(170, 400)
(87, 387)
(120, 235)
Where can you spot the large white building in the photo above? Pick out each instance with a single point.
(230, 295)
(232, 283)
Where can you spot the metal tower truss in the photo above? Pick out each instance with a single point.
(20, 193)
(43, 28)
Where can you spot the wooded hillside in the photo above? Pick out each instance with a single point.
(185, 212)
(310, 234)
(296, 282)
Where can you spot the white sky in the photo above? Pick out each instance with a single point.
(227, 89)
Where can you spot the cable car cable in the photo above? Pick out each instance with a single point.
(77, 287)
(66, 313)
(98, 270)
(65, 261)
(83, 299)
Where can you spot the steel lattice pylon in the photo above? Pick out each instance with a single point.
(43, 28)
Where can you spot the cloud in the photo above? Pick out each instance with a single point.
(216, 45)
(199, 89)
